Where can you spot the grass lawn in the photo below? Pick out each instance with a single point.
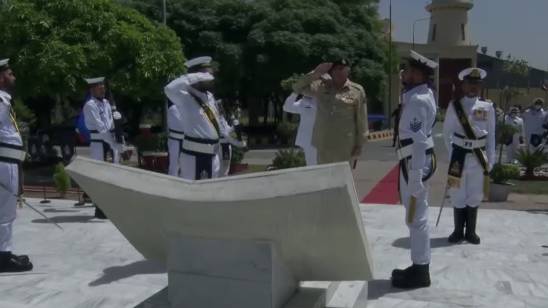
(530, 187)
(255, 169)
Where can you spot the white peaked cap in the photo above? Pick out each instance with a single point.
(422, 59)
(198, 61)
(472, 73)
(95, 80)
(4, 62)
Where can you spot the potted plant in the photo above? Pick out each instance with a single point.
(236, 165)
(531, 161)
(500, 187)
(61, 180)
(285, 159)
(151, 151)
(504, 134)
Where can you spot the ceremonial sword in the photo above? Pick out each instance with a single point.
(30, 206)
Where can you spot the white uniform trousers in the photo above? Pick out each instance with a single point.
(9, 178)
(225, 156)
(310, 155)
(97, 151)
(470, 192)
(174, 150)
(419, 232)
(199, 167)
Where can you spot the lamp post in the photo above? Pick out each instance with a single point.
(414, 24)
(164, 12)
(390, 62)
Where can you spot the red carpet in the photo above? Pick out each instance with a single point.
(386, 191)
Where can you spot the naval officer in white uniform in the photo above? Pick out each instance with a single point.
(417, 165)
(200, 122)
(306, 108)
(469, 133)
(175, 138)
(11, 157)
(100, 122)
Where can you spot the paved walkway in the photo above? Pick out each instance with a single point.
(90, 264)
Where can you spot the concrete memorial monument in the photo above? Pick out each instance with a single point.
(244, 241)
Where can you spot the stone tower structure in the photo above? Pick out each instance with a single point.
(449, 22)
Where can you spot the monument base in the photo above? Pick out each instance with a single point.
(205, 273)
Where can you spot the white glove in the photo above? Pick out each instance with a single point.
(415, 185)
(116, 115)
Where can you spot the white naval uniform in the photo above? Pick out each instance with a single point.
(10, 147)
(533, 121)
(175, 139)
(513, 147)
(201, 144)
(481, 115)
(99, 121)
(418, 116)
(306, 108)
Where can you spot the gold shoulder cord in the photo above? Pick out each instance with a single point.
(14, 120)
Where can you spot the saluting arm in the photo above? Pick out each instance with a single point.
(308, 85)
(174, 88)
(292, 105)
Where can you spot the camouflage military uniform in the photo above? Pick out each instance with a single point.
(341, 118)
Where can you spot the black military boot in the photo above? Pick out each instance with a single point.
(415, 276)
(10, 263)
(459, 218)
(99, 213)
(471, 219)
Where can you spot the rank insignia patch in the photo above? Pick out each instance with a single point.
(415, 126)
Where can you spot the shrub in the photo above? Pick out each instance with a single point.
(531, 160)
(61, 179)
(237, 155)
(152, 143)
(286, 159)
(286, 131)
(502, 173)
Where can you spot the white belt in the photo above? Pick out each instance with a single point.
(178, 136)
(469, 144)
(198, 147)
(98, 136)
(407, 151)
(14, 154)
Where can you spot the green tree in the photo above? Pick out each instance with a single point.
(257, 44)
(55, 44)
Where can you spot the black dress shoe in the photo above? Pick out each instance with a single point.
(413, 277)
(471, 219)
(459, 218)
(10, 263)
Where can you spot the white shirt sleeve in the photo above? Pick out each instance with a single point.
(292, 105)
(417, 120)
(4, 112)
(174, 88)
(491, 139)
(448, 125)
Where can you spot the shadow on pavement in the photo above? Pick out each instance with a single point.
(539, 211)
(115, 273)
(438, 242)
(380, 287)
(68, 219)
(60, 211)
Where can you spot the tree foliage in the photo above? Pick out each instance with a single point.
(55, 44)
(260, 43)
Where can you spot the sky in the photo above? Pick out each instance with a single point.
(516, 27)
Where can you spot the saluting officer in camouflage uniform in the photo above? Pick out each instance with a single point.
(341, 118)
